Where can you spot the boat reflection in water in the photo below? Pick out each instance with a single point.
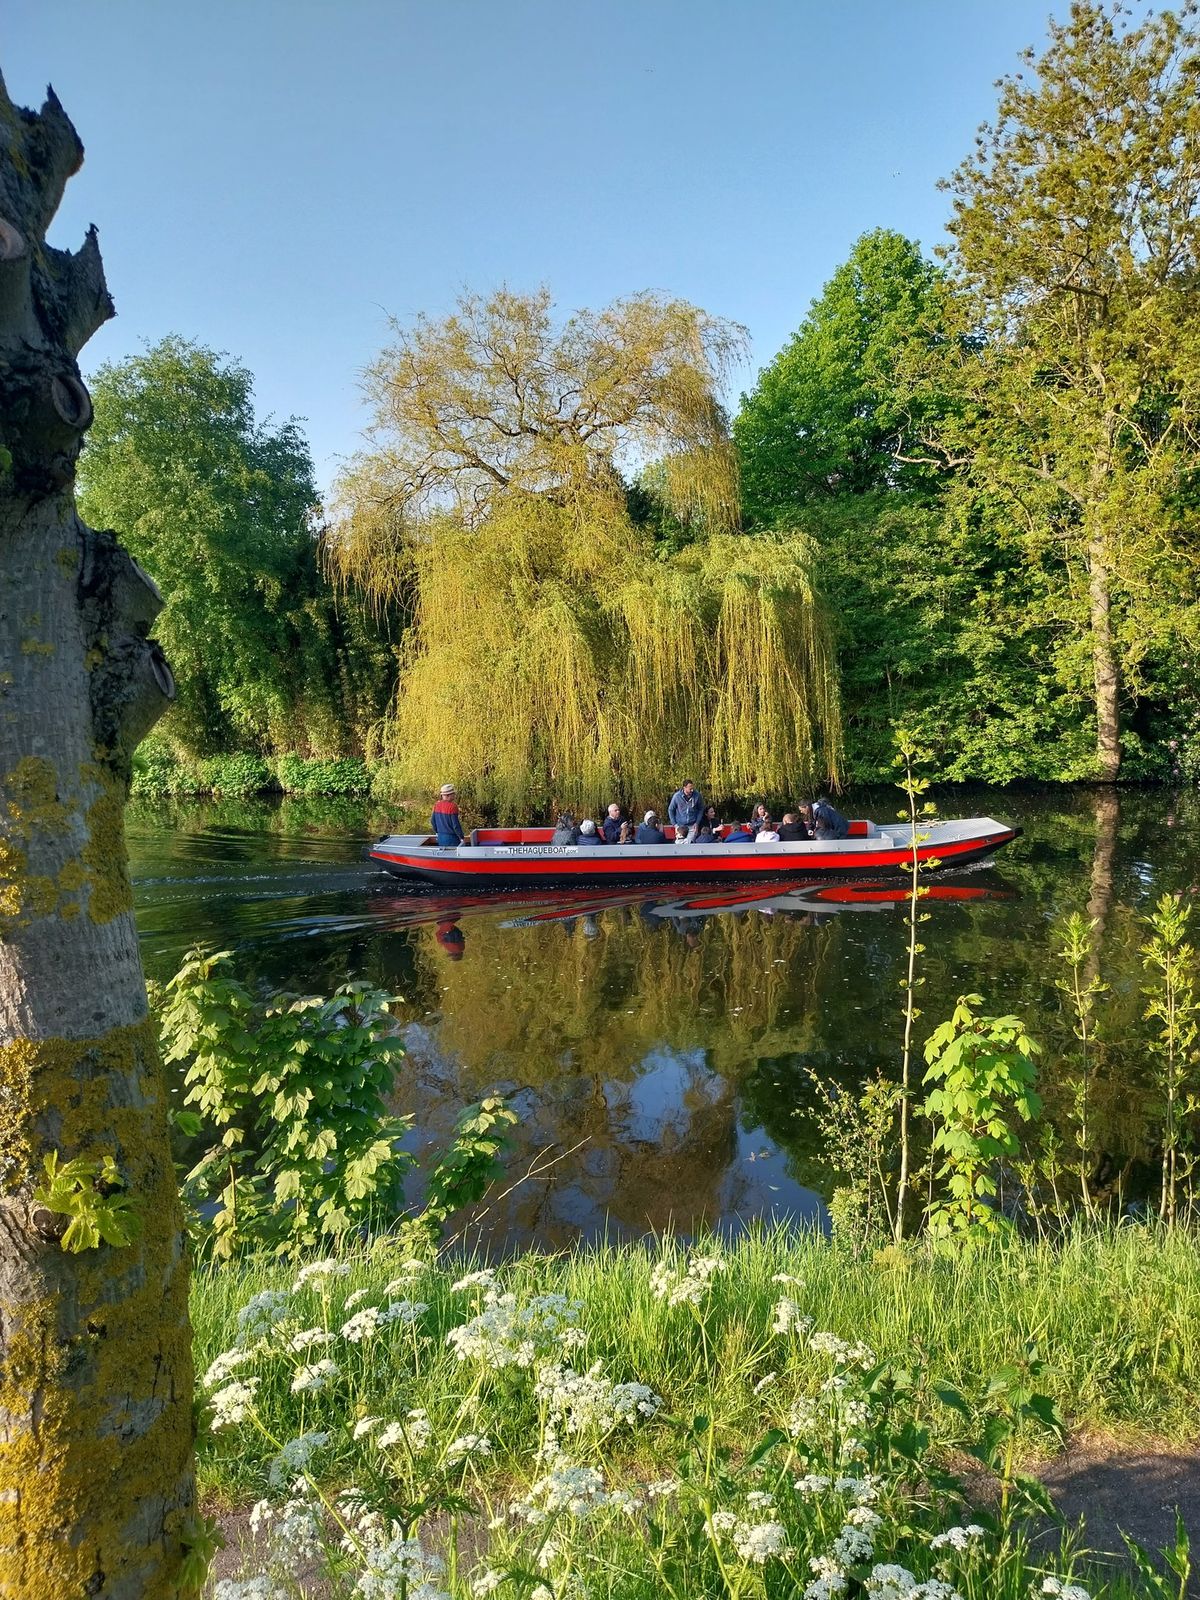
(656, 1049)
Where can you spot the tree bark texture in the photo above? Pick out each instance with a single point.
(1104, 665)
(96, 1430)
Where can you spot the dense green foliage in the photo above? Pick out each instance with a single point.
(998, 462)
(222, 511)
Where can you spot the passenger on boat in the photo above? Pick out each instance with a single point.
(757, 817)
(792, 829)
(686, 811)
(710, 827)
(740, 833)
(612, 824)
(767, 834)
(565, 831)
(828, 822)
(447, 824)
(649, 832)
(628, 834)
(587, 832)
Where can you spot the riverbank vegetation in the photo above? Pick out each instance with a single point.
(692, 1421)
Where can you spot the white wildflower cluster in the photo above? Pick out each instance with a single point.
(662, 1488)
(755, 1542)
(258, 1588)
(577, 1402)
(842, 1352)
(898, 1583)
(1063, 1591)
(295, 1457)
(320, 1273)
(685, 1288)
(366, 1323)
(364, 1525)
(962, 1538)
(466, 1446)
(295, 1530)
(399, 1568)
(829, 1581)
(233, 1403)
(306, 1338)
(415, 1431)
(789, 1318)
(488, 1581)
(485, 1278)
(405, 1273)
(505, 1334)
(224, 1367)
(564, 1487)
(259, 1316)
(309, 1380)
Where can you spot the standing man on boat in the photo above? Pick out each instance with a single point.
(447, 824)
(686, 811)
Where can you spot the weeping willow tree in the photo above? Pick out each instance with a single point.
(554, 650)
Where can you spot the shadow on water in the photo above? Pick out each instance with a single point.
(658, 1049)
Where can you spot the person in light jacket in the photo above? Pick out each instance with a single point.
(686, 811)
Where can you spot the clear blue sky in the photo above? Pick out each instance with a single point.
(274, 178)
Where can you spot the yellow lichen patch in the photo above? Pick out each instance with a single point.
(104, 854)
(37, 647)
(67, 557)
(103, 1344)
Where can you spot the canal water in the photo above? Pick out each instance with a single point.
(660, 1049)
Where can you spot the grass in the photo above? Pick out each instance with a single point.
(521, 1470)
(1115, 1314)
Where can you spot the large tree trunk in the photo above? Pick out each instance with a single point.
(96, 1432)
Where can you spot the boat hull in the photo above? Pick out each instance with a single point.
(507, 866)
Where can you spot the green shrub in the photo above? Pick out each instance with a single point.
(317, 776)
(158, 769)
(236, 774)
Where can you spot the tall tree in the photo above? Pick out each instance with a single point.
(1076, 245)
(96, 1479)
(828, 415)
(559, 648)
(223, 510)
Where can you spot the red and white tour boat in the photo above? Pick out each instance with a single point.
(508, 858)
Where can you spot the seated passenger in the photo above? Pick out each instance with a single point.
(767, 833)
(792, 829)
(757, 817)
(710, 826)
(828, 822)
(587, 832)
(649, 832)
(628, 834)
(740, 833)
(612, 824)
(565, 831)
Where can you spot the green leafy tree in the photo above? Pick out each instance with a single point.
(222, 511)
(559, 646)
(830, 415)
(1076, 249)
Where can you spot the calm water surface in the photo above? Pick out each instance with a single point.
(659, 1050)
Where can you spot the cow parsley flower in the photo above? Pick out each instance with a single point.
(687, 1288)
(398, 1567)
(306, 1338)
(961, 1538)
(1063, 1591)
(485, 1278)
(487, 1582)
(309, 1380)
(789, 1318)
(295, 1457)
(468, 1444)
(890, 1582)
(225, 1365)
(362, 1325)
(232, 1404)
(259, 1316)
(761, 1542)
(260, 1588)
(322, 1273)
(853, 1545)
(356, 1299)
(505, 1334)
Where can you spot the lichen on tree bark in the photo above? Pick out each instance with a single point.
(96, 1431)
